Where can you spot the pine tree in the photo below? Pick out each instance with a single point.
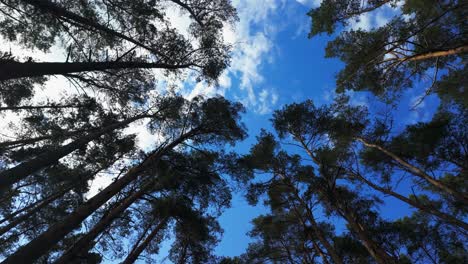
(426, 35)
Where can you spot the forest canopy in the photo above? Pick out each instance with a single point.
(325, 174)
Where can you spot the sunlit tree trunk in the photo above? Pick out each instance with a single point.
(442, 216)
(438, 53)
(418, 172)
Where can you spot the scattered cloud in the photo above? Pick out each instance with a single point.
(266, 99)
(363, 22)
(311, 3)
(374, 19)
(100, 182)
(253, 38)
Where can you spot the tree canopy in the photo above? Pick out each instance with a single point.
(77, 185)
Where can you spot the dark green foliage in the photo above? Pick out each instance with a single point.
(331, 174)
(332, 14)
(325, 173)
(429, 43)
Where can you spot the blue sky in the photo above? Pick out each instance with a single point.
(274, 63)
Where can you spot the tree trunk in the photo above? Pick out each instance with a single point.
(103, 223)
(21, 171)
(15, 221)
(35, 207)
(418, 172)
(438, 53)
(33, 250)
(22, 142)
(60, 12)
(329, 247)
(14, 70)
(31, 107)
(323, 240)
(374, 250)
(320, 252)
(138, 249)
(442, 216)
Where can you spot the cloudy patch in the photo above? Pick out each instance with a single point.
(266, 99)
(374, 19)
(252, 38)
(310, 3)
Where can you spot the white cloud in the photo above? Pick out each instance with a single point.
(100, 182)
(381, 19)
(362, 22)
(266, 99)
(374, 19)
(357, 98)
(253, 38)
(311, 3)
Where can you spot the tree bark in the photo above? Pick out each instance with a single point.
(374, 250)
(35, 207)
(27, 141)
(103, 223)
(138, 249)
(33, 250)
(323, 240)
(418, 172)
(442, 216)
(31, 107)
(15, 221)
(21, 171)
(329, 247)
(14, 70)
(438, 53)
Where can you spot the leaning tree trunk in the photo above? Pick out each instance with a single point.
(21, 171)
(449, 219)
(13, 70)
(102, 225)
(33, 250)
(318, 232)
(374, 250)
(463, 198)
(330, 249)
(34, 107)
(138, 249)
(437, 53)
(36, 207)
(21, 142)
(379, 254)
